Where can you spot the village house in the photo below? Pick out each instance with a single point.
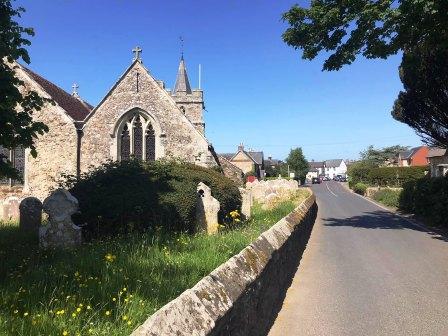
(328, 168)
(416, 156)
(137, 118)
(248, 161)
(438, 161)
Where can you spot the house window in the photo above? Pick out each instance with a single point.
(137, 138)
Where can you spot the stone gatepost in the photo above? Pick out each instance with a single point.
(207, 208)
(60, 230)
(247, 202)
(30, 215)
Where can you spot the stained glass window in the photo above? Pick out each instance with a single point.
(150, 140)
(125, 144)
(138, 139)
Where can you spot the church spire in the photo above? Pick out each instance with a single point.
(182, 83)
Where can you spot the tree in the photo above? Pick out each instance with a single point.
(378, 29)
(377, 157)
(372, 28)
(297, 163)
(17, 127)
(423, 104)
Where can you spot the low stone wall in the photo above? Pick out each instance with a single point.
(243, 295)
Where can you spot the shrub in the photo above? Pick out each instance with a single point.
(119, 197)
(360, 188)
(388, 197)
(427, 197)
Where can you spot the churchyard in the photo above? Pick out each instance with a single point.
(115, 279)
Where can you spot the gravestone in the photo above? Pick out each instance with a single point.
(60, 231)
(10, 208)
(30, 214)
(207, 208)
(246, 205)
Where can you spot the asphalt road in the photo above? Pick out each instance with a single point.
(366, 271)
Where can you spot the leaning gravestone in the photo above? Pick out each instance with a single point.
(207, 208)
(30, 214)
(60, 231)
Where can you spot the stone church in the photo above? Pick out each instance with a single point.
(138, 117)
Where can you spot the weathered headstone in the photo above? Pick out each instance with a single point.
(60, 231)
(207, 208)
(246, 205)
(10, 208)
(30, 214)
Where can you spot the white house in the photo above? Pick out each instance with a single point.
(335, 167)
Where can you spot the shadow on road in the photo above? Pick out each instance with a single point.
(380, 220)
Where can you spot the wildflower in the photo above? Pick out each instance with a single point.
(25, 314)
(129, 322)
(78, 309)
(90, 330)
(124, 289)
(88, 307)
(114, 299)
(109, 257)
(124, 317)
(73, 314)
(16, 311)
(65, 333)
(107, 312)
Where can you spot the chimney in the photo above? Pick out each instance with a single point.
(240, 147)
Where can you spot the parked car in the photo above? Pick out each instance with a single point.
(315, 180)
(336, 177)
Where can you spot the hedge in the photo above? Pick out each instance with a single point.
(119, 197)
(427, 197)
(360, 188)
(385, 176)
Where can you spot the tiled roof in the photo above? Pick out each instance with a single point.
(435, 152)
(316, 164)
(333, 163)
(256, 156)
(75, 108)
(228, 156)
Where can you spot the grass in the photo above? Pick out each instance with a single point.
(388, 197)
(109, 287)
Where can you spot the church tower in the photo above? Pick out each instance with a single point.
(190, 102)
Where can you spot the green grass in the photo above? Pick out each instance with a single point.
(388, 197)
(109, 287)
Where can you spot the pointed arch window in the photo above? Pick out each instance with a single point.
(137, 138)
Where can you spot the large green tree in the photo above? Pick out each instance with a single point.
(297, 163)
(377, 157)
(17, 127)
(345, 29)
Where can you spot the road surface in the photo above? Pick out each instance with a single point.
(366, 271)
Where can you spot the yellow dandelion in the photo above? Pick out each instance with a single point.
(114, 299)
(124, 317)
(124, 289)
(107, 313)
(65, 333)
(78, 309)
(129, 322)
(73, 314)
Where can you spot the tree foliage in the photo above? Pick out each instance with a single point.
(423, 104)
(297, 163)
(372, 28)
(378, 157)
(377, 29)
(17, 127)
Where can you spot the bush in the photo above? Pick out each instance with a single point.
(360, 188)
(427, 197)
(388, 197)
(119, 197)
(384, 176)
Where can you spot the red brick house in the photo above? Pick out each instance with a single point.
(416, 156)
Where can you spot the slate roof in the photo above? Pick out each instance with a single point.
(227, 156)
(333, 163)
(405, 155)
(75, 108)
(256, 156)
(316, 164)
(435, 152)
(182, 82)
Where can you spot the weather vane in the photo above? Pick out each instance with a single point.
(181, 46)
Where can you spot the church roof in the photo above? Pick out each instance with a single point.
(182, 82)
(75, 108)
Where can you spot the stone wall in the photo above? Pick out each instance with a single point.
(243, 295)
(56, 150)
(231, 171)
(176, 137)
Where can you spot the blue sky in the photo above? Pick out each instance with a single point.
(257, 90)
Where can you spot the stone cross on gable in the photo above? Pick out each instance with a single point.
(75, 89)
(137, 51)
